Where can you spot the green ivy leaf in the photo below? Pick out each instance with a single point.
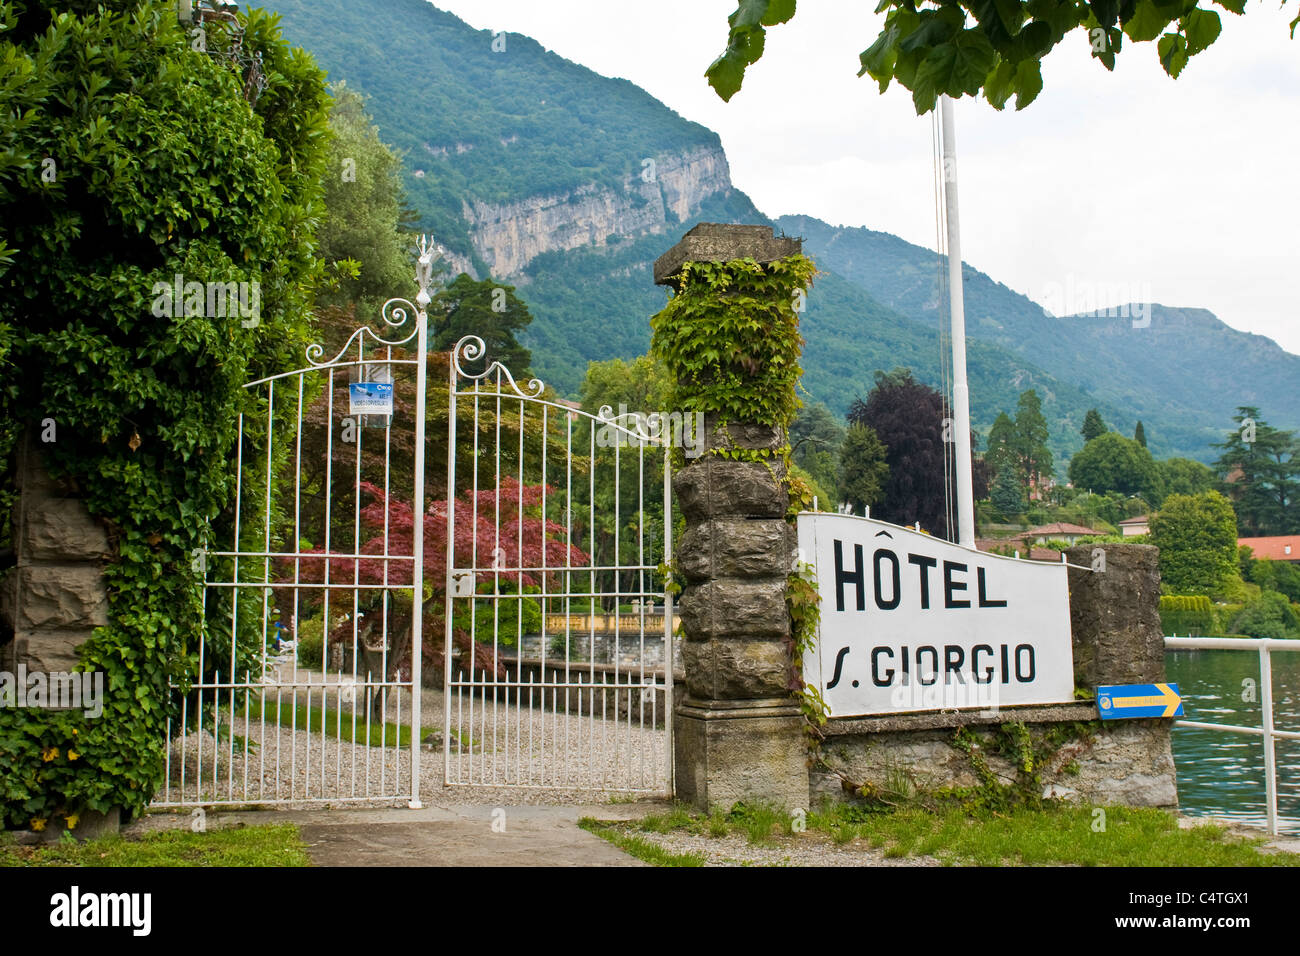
(1173, 53)
(998, 86)
(1201, 27)
(1147, 22)
(1029, 83)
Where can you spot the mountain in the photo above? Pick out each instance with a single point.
(568, 184)
(510, 150)
(1182, 368)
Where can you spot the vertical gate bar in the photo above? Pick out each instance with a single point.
(383, 744)
(519, 597)
(167, 775)
(279, 700)
(618, 608)
(506, 763)
(397, 748)
(545, 530)
(329, 495)
(293, 739)
(383, 656)
(359, 432)
(447, 584)
(641, 599)
(248, 683)
(324, 722)
(266, 570)
(669, 649)
(185, 731)
(417, 547)
(496, 573)
(473, 601)
(1270, 760)
(338, 732)
(593, 563)
(568, 598)
(297, 524)
(216, 733)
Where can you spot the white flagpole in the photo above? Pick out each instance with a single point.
(960, 391)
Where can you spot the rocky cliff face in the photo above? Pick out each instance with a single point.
(510, 235)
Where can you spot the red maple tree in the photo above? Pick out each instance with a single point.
(500, 534)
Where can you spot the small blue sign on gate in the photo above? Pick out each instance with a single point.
(370, 398)
(1127, 701)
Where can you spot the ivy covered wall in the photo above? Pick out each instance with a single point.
(127, 158)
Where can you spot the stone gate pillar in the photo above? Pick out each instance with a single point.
(738, 733)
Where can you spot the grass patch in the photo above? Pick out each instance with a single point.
(275, 845)
(337, 724)
(1065, 835)
(758, 822)
(1053, 836)
(640, 847)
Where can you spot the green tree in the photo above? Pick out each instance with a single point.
(864, 469)
(1182, 476)
(1197, 538)
(1093, 426)
(1115, 463)
(488, 309)
(1001, 454)
(1280, 576)
(1260, 466)
(1140, 435)
(957, 48)
(1034, 459)
(815, 442)
(365, 212)
(1269, 615)
(1008, 495)
(640, 384)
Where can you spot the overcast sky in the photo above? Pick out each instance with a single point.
(1185, 193)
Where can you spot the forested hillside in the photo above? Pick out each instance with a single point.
(532, 168)
(1186, 371)
(480, 124)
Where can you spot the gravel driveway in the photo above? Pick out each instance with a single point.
(511, 753)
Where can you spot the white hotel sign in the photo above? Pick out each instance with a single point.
(910, 622)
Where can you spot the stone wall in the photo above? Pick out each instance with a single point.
(1117, 639)
(1121, 762)
(55, 596)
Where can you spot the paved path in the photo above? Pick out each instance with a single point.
(452, 835)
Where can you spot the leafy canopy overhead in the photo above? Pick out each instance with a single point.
(996, 46)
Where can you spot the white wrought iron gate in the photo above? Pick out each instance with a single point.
(558, 648)
(547, 572)
(309, 661)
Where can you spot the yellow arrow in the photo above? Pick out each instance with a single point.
(1166, 698)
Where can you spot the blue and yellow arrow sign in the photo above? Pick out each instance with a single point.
(1121, 701)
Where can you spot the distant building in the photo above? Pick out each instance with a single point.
(1131, 527)
(574, 407)
(1283, 547)
(1013, 546)
(1060, 531)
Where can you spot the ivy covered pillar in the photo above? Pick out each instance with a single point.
(729, 336)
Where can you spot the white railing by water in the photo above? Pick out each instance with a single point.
(1264, 647)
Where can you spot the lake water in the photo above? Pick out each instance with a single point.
(1223, 773)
